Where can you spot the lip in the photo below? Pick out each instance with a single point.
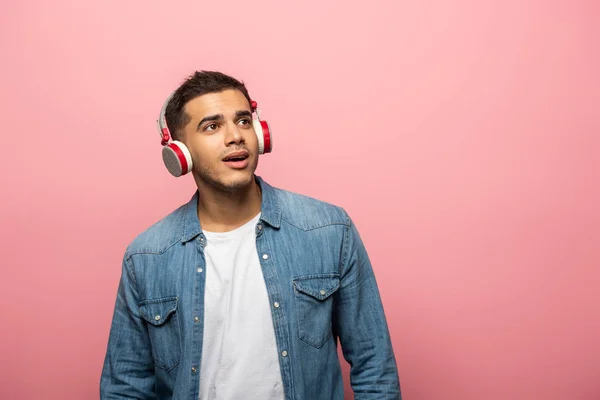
(238, 164)
(242, 153)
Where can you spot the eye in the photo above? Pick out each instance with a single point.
(211, 127)
(245, 121)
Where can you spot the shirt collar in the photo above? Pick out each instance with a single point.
(270, 211)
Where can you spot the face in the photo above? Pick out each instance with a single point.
(221, 140)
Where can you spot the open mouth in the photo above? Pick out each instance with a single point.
(238, 159)
(235, 158)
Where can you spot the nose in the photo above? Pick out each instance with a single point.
(233, 135)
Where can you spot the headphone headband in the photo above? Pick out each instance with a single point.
(163, 129)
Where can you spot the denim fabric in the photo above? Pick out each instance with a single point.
(321, 289)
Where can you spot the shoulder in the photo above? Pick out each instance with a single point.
(160, 236)
(308, 213)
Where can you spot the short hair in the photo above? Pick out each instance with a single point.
(197, 84)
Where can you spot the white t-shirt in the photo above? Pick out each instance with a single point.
(239, 352)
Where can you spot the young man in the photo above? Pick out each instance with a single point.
(245, 291)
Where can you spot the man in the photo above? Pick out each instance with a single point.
(245, 291)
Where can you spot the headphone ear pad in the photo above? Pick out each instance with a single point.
(177, 158)
(265, 138)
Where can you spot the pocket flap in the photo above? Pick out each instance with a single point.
(158, 311)
(318, 286)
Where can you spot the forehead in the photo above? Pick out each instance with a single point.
(227, 102)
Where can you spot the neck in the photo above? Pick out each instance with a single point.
(222, 211)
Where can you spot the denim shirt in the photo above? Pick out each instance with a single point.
(321, 290)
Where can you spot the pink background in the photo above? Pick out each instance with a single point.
(462, 136)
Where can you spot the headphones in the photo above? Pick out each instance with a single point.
(177, 157)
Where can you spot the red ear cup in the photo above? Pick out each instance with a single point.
(265, 138)
(268, 138)
(177, 158)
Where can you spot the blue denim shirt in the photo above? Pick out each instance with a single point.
(317, 271)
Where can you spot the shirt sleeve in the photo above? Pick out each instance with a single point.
(360, 324)
(128, 370)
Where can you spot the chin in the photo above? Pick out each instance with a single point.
(240, 180)
(227, 180)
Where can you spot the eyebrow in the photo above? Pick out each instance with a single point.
(217, 117)
(243, 113)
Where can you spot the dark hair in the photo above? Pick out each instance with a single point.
(201, 82)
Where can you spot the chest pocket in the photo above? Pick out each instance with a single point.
(314, 306)
(164, 330)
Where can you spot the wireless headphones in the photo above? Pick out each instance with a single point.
(177, 157)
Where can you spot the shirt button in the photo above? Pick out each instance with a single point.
(199, 270)
(196, 319)
(201, 239)
(157, 317)
(276, 305)
(322, 292)
(265, 256)
(284, 353)
(194, 370)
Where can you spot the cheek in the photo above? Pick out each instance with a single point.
(252, 140)
(203, 152)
